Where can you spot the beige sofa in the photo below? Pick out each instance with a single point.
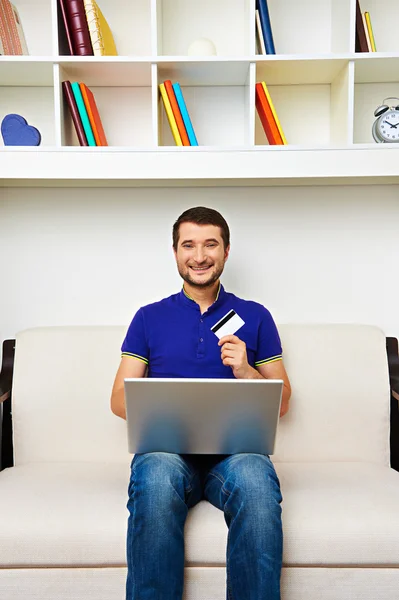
(63, 505)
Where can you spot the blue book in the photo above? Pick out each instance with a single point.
(185, 116)
(83, 114)
(266, 26)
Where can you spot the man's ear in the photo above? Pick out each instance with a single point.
(226, 252)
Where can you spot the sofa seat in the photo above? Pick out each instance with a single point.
(74, 514)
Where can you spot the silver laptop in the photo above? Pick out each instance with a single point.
(202, 416)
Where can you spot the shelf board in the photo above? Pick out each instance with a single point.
(173, 166)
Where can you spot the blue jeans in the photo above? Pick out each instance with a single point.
(164, 486)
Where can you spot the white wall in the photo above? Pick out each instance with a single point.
(92, 256)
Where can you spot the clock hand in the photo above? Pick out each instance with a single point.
(390, 124)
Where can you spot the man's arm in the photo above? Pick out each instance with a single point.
(234, 354)
(129, 368)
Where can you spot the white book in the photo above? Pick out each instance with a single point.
(261, 41)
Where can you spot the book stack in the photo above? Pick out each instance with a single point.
(268, 116)
(177, 113)
(84, 113)
(365, 41)
(264, 33)
(87, 31)
(12, 38)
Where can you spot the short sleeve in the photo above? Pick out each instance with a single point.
(135, 343)
(269, 345)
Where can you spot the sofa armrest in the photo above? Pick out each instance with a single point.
(393, 366)
(6, 374)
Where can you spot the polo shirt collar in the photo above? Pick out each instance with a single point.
(220, 296)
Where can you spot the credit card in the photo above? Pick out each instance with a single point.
(228, 325)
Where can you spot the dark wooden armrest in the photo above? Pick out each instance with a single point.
(7, 368)
(393, 365)
(6, 373)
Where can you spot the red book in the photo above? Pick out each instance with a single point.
(94, 115)
(361, 39)
(78, 28)
(176, 112)
(70, 98)
(266, 116)
(66, 27)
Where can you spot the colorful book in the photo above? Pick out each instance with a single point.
(94, 115)
(370, 31)
(77, 26)
(102, 40)
(264, 16)
(259, 34)
(170, 115)
(361, 39)
(367, 33)
(83, 114)
(274, 112)
(266, 116)
(184, 113)
(176, 112)
(11, 32)
(66, 26)
(73, 109)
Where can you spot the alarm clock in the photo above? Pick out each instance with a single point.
(386, 127)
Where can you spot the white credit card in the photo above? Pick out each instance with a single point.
(227, 325)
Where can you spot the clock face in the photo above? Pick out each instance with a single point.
(388, 126)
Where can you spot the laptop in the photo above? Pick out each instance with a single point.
(202, 416)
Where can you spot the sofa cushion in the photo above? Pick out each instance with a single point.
(75, 514)
(63, 379)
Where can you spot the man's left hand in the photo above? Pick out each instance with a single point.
(234, 355)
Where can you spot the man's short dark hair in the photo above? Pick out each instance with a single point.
(202, 216)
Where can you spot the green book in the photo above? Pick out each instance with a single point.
(83, 114)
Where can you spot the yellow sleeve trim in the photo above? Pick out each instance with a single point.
(269, 360)
(136, 356)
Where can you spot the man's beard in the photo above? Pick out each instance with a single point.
(202, 284)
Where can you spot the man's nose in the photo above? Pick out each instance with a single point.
(199, 255)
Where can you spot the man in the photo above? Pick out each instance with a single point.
(173, 338)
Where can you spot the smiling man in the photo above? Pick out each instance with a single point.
(174, 338)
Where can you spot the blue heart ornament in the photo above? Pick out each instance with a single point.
(16, 132)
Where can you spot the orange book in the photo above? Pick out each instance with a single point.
(94, 116)
(266, 116)
(176, 112)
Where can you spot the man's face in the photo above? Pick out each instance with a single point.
(200, 254)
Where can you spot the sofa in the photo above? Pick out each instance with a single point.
(63, 513)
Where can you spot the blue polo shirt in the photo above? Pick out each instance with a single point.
(175, 340)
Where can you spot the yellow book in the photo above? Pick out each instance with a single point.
(170, 115)
(370, 30)
(274, 113)
(100, 34)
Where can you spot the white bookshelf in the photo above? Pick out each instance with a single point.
(325, 93)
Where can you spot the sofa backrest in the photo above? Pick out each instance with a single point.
(339, 410)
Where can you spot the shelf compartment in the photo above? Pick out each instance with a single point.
(217, 99)
(375, 80)
(36, 20)
(225, 22)
(311, 26)
(35, 104)
(382, 15)
(123, 96)
(130, 23)
(316, 108)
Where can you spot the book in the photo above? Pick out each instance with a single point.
(184, 113)
(259, 34)
(83, 114)
(170, 115)
(11, 32)
(266, 116)
(77, 26)
(274, 112)
(102, 40)
(66, 26)
(73, 109)
(366, 31)
(370, 31)
(94, 115)
(176, 112)
(361, 39)
(264, 16)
